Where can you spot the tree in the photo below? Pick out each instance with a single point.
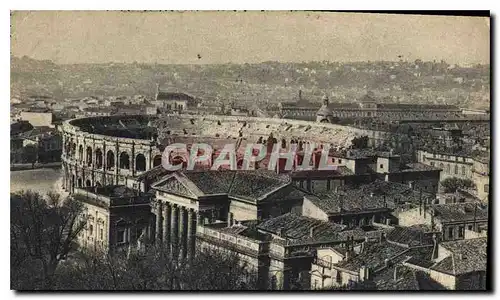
(360, 142)
(452, 184)
(42, 234)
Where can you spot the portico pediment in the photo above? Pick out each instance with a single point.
(172, 185)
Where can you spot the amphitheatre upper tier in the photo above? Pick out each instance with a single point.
(194, 128)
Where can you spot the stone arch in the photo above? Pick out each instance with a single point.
(79, 182)
(124, 160)
(110, 160)
(80, 152)
(88, 182)
(89, 156)
(157, 160)
(140, 162)
(98, 158)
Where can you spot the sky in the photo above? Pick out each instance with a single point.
(246, 37)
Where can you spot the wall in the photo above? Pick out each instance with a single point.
(37, 118)
(312, 211)
(452, 166)
(448, 281)
(481, 178)
(243, 211)
(96, 235)
(413, 217)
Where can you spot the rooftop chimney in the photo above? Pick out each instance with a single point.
(280, 232)
(311, 232)
(386, 262)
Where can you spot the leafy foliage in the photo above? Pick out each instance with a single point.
(43, 231)
(42, 257)
(452, 184)
(360, 142)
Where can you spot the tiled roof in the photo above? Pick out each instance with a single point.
(453, 212)
(153, 174)
(359, 197)
(406, 279)
(411, 236)
(466, 256)
(249, 185)
(299, 227)
(412, 167)
(162, 95)
(339, 171)
(333, 203)
(373, 256)
(114, 191)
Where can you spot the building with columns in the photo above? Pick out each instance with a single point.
(188, 199)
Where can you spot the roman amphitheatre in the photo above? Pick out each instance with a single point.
(117, 149)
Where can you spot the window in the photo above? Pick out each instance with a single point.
(447, 169)
(338, 278)
(381, 166)
(456, 169)
(120, 236)
(340, 161)
(469, 227)
(463, 170)
(432, 164)
(450, 232)
(102, 234)
(461, 231)
(91, 229)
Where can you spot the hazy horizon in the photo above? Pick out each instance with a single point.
(69, 37)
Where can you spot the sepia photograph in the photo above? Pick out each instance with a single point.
(250, 151)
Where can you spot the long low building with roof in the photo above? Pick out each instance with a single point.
(281, 249)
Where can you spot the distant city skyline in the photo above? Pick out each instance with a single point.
(251, 37)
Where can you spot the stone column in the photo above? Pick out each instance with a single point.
(132, 159)
(191, 232)
(93, 153)
(182, 231)
(174, 227)
(117, 158)
(158, 222)
(166, 225)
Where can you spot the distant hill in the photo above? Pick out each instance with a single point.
(269, 82)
